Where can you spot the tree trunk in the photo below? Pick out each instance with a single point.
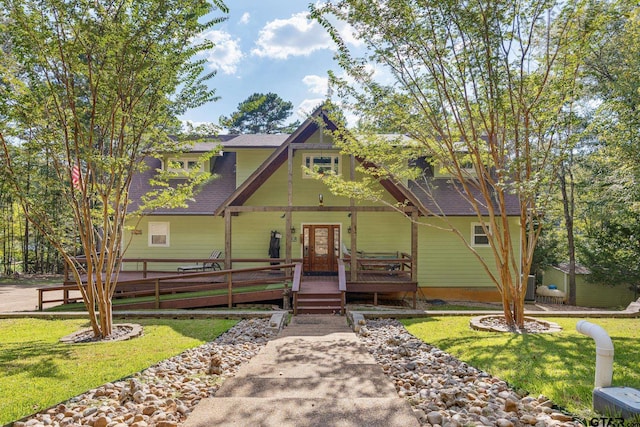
(568, 203)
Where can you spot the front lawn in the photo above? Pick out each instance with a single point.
(561, 366)
(37, 371)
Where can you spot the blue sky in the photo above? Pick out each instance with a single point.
(267, 46)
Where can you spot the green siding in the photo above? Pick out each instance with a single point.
(190, 237)
(247, 161)
(445, 261)
(590, 294)
(305, 190)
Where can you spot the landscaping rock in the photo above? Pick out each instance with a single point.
(448, 390)
(164, 394)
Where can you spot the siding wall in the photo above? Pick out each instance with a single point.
(190, 237)
(443, 261)
(248, 160)
(590, 294)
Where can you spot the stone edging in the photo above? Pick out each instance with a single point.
(476, 323)
(135, 331)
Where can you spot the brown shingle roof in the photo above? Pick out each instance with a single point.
(206, 201)
(444, 196)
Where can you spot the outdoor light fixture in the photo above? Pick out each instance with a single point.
(320, 200)
(293, 230)
(349, 229)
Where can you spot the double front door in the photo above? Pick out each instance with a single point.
(320, 248)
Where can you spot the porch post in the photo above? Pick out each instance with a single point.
(288, 221)
(354, 224)
(414, 244)
(227, 239)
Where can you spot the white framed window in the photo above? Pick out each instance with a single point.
(322, 163)
(159, 234)
(183, 165)
(478, 235)
(466, 167)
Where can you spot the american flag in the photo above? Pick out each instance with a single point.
(75, 176)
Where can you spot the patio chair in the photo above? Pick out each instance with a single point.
(209, 265)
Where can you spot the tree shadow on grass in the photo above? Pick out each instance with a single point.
(37, 359)
(562, 364)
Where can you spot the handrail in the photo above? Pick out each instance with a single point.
(295, 286)
(146, 261)
(342, 286)
(156, 280)
(297, 275)
(342, 277)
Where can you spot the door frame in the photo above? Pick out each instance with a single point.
(333, 224)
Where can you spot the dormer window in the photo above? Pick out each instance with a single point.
(183, 165)
(321, 163)
(466, 168)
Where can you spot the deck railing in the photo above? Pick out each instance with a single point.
(146, 262)
(375, 266)
(185, 282)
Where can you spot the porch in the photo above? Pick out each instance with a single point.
(149, 288)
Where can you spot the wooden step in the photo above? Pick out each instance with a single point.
(318, 301)
(319, 309)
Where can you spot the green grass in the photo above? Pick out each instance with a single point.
(454, 307)
(561, 366)
(37, 371)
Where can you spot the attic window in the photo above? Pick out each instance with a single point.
(184, 165)
(321, 163)
(478, 235)
(467, 169)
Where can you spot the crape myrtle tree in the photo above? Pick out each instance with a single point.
(477, 88)
(93, 88)
(260, 113)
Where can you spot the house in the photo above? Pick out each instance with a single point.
(262, 188)
(588, 294)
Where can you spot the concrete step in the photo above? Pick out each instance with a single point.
(320, 352)
(308, 370)
(293, 412)
(310, 388)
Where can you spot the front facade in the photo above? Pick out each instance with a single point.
(262, 193)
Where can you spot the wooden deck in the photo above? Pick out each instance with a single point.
(314, 291)
(230, 286)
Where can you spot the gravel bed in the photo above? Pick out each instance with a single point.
(444, 391)
(164, 394)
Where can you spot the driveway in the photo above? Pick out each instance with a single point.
(23, 297)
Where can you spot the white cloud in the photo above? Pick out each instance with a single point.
(226, 54)
(296, 36)
(308, 106)
(244, 19)
(317, 84)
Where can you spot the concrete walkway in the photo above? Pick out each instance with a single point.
(316, 373)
